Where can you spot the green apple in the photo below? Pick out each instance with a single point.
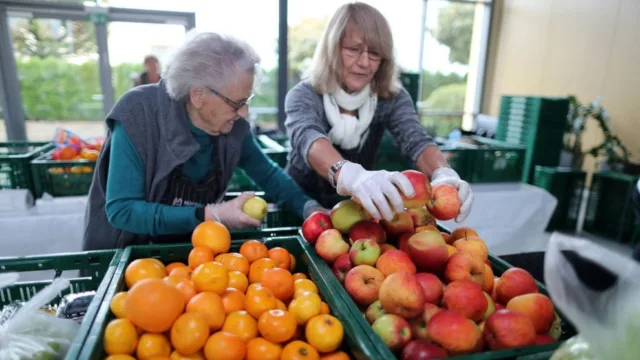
(345, 214)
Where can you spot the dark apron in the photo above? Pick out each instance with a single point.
(183, 192)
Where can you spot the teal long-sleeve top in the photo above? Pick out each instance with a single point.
(127, 209)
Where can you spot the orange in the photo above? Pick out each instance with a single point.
(324, 333)
(324, 308)
(305, 307)
(302, 285)
(140, 269)
(183, 272)
(189, 333)
(152, 345)
(188, 290)
(277, 326)
(298, 276)
(120, 357)
(253, 250)
(242, 324)
(252, 287)
(338, 355)
(210, 305)
(259, 301)
(157, 261)
(281, 256)
(120, 337)
(261, 349)
(258, 268)
(174, 265)
(117, 304)
(238, 280)
(153, 305)
(280, 282)
(213, 235)
(293, 263)
(225, 346)
(172, 280)
(177, 356)
(199, 255)
(234, 262)
(281, 305)
(299, 350)
(233, 300)
(211, 276)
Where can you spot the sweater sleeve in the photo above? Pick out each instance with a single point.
(404, 125)
(271, 178)
(125, 205)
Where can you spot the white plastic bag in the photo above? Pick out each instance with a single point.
(604, 305)
(33, 334)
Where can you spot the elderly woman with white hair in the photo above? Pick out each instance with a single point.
(172, 147)
(336, 119)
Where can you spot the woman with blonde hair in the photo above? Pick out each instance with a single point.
(337, 116)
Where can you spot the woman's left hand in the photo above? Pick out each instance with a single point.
(230, 213)
(445, 175)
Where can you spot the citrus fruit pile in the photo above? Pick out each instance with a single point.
(221, 305)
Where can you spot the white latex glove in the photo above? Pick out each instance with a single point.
(374, 189)
(445, 175)
(230, 213)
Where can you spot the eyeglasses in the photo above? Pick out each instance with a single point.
(236, 105)
(356, 52)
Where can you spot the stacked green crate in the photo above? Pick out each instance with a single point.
(536, 122)
(61, 177)
(609, 207)
(495, 161)
(15, 163)
(567, 185)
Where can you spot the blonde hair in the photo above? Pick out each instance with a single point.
(326, 69)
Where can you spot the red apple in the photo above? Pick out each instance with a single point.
(444, 203)
(394, 331)
(395, 261)
(506, 329)
(432, 287)
(363, 284)
(403, 242)
(314, 225)
(542, 339)
(421, 187)
(423, 350)
(466, 298)
(461, 233)
(464, 266)
(330, 245)
(514, 282)
(386, 247)
(341, 267)
(367, 229)
(500, 306)
(374, 312)
(419, 328)
(494, 294)
(451, 250)
(401, 223)
(347, 213)
(429, 311)
(421, 217)
(473, 245)
(428, 251)
(401, 294)
(445, 236)
(488, 279)
(537, 307)
(491, 306)
(454, 332)
(364, 252)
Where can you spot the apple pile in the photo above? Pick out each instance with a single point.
(428, 294)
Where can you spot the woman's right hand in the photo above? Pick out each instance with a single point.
(376, 190)
(230, 213)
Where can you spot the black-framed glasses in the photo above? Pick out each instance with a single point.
(355, 51)
(234, 104)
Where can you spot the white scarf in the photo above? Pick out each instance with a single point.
(347, 130)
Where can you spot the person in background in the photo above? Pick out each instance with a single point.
(151, 75)
(172, 147)
(336, 118)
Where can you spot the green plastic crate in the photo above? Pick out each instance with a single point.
(61, 178)
(495, 161)
(610, 206)
(356, 343)
(567, 185)
(411, 82)
(15, 163)
(100, 264)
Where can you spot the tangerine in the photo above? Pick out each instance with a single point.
(177, 356)
(259, 301)
(302, 285)
(213, 235)
(299, 350)
(238, 281)
(253, 250)
(120, 357)
(242, 324)
(298, 276)
(281, 256)
(183, 272)
(281, 305)
(189, 333)
(172, 280)
(210, 276)
(153, 305)
(117, 304)
(259, 267)
(210, 305)
(199, 255)
(324, 308)
(225, 346)
(252, 287)
(324, 333)
(292, 267)
(261, 349)
(234, 262)
(233, 300)
(174, 265)
(280, 282)
(188, 290)
(120, 337)
(338, 355)
(153, 345)
(277, 326)
(140, 269)
(305, 307)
